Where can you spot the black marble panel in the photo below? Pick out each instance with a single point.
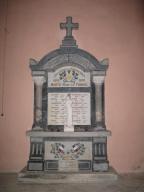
(51, 165)
(84, 165)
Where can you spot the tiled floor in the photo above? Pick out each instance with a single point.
(125, 183)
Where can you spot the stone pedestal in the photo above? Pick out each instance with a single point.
(68, 128)
(55, 151)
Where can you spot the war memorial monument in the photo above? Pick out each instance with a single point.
(68, 139)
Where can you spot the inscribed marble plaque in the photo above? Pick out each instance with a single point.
(68, 165)
(57, 110)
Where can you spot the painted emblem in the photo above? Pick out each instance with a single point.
(73, 153)
(68, 75)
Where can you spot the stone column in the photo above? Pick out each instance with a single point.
(38, 82)
(99, 102)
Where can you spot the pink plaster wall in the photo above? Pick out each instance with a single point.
(108, 28)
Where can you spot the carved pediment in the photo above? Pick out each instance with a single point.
(69, 56)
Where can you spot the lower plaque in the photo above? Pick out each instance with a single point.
(68, 165)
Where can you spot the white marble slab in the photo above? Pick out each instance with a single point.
(57, 110)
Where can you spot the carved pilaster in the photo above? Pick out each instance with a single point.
(38, 82)
(99, 101)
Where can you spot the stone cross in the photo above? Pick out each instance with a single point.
(69, 26)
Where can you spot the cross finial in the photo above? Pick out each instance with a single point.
(69, 26)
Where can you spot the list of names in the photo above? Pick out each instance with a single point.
(57, 113)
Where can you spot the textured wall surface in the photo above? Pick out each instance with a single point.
(112, 29)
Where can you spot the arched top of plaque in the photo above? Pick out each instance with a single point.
(68, 55)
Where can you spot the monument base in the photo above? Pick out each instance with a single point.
(68, 151)
(81, 177)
